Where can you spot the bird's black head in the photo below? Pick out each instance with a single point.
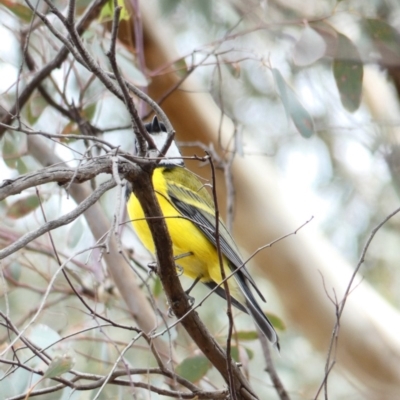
(159, 133)
(155, 126)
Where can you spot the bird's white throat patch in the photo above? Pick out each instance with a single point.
(173, 155)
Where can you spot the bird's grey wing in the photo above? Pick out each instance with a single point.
(206, 223)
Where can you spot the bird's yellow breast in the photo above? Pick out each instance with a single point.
(185, 235)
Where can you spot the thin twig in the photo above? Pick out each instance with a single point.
(231, 274)
(145, 141)
(225, 282)
(341, 305)
(40, 308)
(91, 13)
(270, 368)
(64, 220)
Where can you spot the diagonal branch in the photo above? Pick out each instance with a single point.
(120, 271)
(177, 298)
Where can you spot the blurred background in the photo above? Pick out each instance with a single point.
(298, 103)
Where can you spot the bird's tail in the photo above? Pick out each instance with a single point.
(243, 298)
(255, 311)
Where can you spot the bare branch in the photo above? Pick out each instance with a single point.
(60, 174)
(91, 13)
(64, 220)
(340, 306)
(142, 136)
(270, 368)
(225, 283)
(174, 291)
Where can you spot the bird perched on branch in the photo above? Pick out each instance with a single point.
(191, 223)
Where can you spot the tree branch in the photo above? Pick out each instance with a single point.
(60, 174)
(64, 220)
(91, 13)
(143, 189)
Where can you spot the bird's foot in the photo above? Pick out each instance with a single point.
(152, 268)
(170, 313)
(190, 300)
(179, 270)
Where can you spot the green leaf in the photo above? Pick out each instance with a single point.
(15, 270)
(193, 368)
(59, 365)
(107, 12)
(247, 335)
(35, 109)
(43, 336)
(167, 7)
(18, 9)
(348, 73)
(89, 111)
(180, 67)
(23, 207)
(294, 109)
(276, 322)
(204, 8)
(235, 353)
(157, 287)
(10, 153)
(233, 68)
(21, 167)
(385, 37)
(68, 129)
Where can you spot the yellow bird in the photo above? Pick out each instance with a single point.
(182, 195)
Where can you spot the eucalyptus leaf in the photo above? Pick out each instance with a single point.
(348, 72)
(309, 48)
(59, 365)
(181, 67)
(89, 111)
(235, 353)
(247, 335)
(23, 207)
(386, 40)
(107, 11)
(21, 167)
(294, 109)
(10, 156)
(15, 270)
(18, 9)
(157, 287)
(276, 321)
(193, 368)
(43, 336)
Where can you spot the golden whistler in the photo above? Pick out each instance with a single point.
(190, 213)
